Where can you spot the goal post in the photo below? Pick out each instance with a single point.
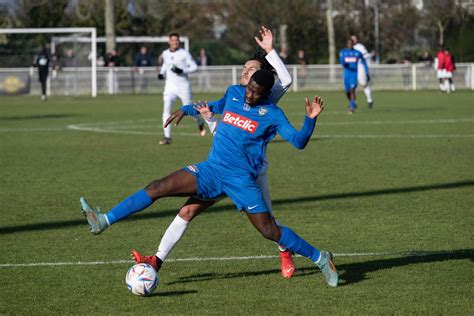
(67, 30)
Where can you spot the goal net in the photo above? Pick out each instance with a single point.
(72, 65)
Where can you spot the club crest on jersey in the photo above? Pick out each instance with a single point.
(239, 121)
(246, 107)
(262, 111)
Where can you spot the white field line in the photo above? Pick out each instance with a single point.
(121, 127)
(200, 259)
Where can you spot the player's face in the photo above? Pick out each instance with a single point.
(250, 67)
(173, 42)
(254, 93)
(350, 44)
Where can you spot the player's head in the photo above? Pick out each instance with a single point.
(349, 43)
(354, 39)
(259, 86)
(173, 41)
(257, 62)
(143, 50)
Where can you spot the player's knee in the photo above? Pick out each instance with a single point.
(188, 212)
(155, 189)
(270, 232)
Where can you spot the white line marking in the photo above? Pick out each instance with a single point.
(200, 259)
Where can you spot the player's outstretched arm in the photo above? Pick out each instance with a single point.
(300, 138)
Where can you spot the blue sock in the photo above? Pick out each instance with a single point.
(298, 245)
(134, 203)
(352, 104)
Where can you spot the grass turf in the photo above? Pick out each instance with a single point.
(397, 179)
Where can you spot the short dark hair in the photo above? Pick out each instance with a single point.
(173, 34)
(259, 56)
(264, 78)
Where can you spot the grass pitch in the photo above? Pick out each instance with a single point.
(390, 190)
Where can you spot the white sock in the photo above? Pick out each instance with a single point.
(441, 86)
(446, 86)
(453, 88)
(368, 93)
(171, 237)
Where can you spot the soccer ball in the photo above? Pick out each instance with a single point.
(141, 279)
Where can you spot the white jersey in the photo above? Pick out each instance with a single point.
(361, 48)
(179, 58)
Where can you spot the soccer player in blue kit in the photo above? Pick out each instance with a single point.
(349, 59)
(247, 125)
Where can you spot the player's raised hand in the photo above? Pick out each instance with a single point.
(177, 115)
(266, 43)
(315, 108)
(203, 109)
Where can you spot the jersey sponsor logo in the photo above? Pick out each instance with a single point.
(262, 111)
(193, 168)
(350, 59)
(239, 121)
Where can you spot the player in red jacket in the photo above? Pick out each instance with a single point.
(440, 60)
(449, 68)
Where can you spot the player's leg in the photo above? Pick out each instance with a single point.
(362, 79)
(287, 264)
(266, 225)
(179, 183)
(43, 78)
(175, 231)
(186, 98)
(450, 85)
(168, 101)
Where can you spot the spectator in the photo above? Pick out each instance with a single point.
(283, 55)
(143, 59)
(112, 60)
(406, 72)
(204, 79)
(302, 62)
(427, 60)
(42, 61)
(68, 66)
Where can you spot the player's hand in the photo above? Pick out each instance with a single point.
(177, 115)
(161, 77)
(176, 70)
(315, 108)
(266, 43)
(368, 78)
(203, 109)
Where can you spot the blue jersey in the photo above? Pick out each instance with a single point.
(244, 131)
(349, 59)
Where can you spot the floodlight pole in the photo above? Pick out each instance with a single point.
(376, 31)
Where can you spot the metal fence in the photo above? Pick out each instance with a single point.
(129, 80)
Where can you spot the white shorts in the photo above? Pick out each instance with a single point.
(441, 73)
(361, 75)
(448, 74)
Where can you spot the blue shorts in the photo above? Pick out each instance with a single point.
(350, 81)
(214, 182)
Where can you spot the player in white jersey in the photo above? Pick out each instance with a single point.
(362, 77)
(193, 206)
(177, 64)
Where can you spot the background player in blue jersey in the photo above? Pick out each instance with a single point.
(193, 205)
(349, 59)
(247, 125)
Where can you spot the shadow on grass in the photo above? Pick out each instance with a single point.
(36, 117)
(356, 272)
(172, 293)
(232, 275)
(348, 273)
(167, 213)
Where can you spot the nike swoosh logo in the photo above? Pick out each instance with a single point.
(235, 99)
(252, 207)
